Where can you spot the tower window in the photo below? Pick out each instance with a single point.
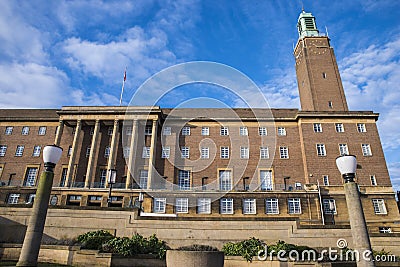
(324, 75)
(330, 104)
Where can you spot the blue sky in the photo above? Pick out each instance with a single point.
(55, 53)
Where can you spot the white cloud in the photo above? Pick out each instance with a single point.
(394, 170)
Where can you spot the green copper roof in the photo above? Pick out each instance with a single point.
(306, 25)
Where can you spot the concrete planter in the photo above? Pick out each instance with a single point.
(180, 258)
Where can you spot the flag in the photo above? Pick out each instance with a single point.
(125, 75)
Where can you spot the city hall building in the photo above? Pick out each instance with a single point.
(194, 165)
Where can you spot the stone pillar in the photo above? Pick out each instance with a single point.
(70, 171)
(92, 155)
(113, 147)
(359, 230)
(132, 155)
(59, 133)
(152, 153)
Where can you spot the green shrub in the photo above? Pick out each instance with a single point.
(282, 245)
(196, 247)
(94, 239)
(246, 248)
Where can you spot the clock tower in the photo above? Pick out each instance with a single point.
(318, 78)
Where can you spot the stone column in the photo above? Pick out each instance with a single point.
(70, 171)
(59, 133)
(152, 153)
(132, 155)
(92, 155)
(113, 147)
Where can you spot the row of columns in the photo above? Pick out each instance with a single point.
(113, 151)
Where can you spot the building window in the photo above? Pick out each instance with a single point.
(343, 149)
(326, 180)
(339, 127)
(317, 128)
(159, 204)
(182, 205)
(30, 176)
(330, 104)
(224, 131)
(87, 151)
(379, 206)
(264, 153)
(19, 151)
(3, 150)
(184, 180)
(262, 131)
(321, 151)
(225, 180)
(166, 151)
(329, 206)
(30, 198)
(226, 205)
(63, 177)
(185, 152)
(9, 130)
(266, 180)
(271, 206)
(148, 129)
(146, 152)
(167, 130)
(110, 130)
(205, 153)
(224, 152)
(25, 130)
(249, 206)
(244, 152)
(204, 205)
(324, 75)
(127, 151)
(186, 130)
(91, 130)
(107, 151)
(283, 152)
(69, 151)
(205, 130)
(36, 151)
(373, 180)
(243, 131)
(143, 176)
(294, 206)
(42, 130)
(13, 198)
(366, 150)
(385, 230)
(281, 131)
(128, 131)
(103, 178)
(361, 128)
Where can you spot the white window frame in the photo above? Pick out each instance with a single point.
(343, 149)
(110, 130)
(373, 180)
(184, 180)
(146, 152)
(126, 151)
(325, 180)
(266, 180)
(262, 131)
(271, 206)
(281, 131)
(284, 152)
(225, 180)
(182, 205)
(91, 130)
(244, 152)
(224, 152)
(379, 206)
(166, 152)
(19, 151)
(8, 130)
(63, 179)
(204, 205)
(264, 152)
(249, 206)
(107, 152)
(25, 130)
(294, 206)
(361, 128)
(224, 131)
(204, 152)
(326, 203)
(366, 150)
(185, 152)
(167, 130)
(13, 198)
(205, 130)
(321, 151)
(317, 127)
(186, 130)
(88, 148)
(148, 129)
(160, 204)
(103, 178)
(69, 151)
(226, 206)
(36, 151)
(339, 127)
(243, 131)
(30, 176)
(3, 150)
(42, 130)
(128, 131)
(143, 178)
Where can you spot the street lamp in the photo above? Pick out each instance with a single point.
(347, 165)
(34, 232)
(111, 178)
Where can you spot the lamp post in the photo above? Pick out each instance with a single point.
(34, 232)
(347, 165)
(112, 177)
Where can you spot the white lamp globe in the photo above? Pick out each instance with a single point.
(52, 154)
(346, 164)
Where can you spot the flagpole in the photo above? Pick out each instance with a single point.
(122, 90)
